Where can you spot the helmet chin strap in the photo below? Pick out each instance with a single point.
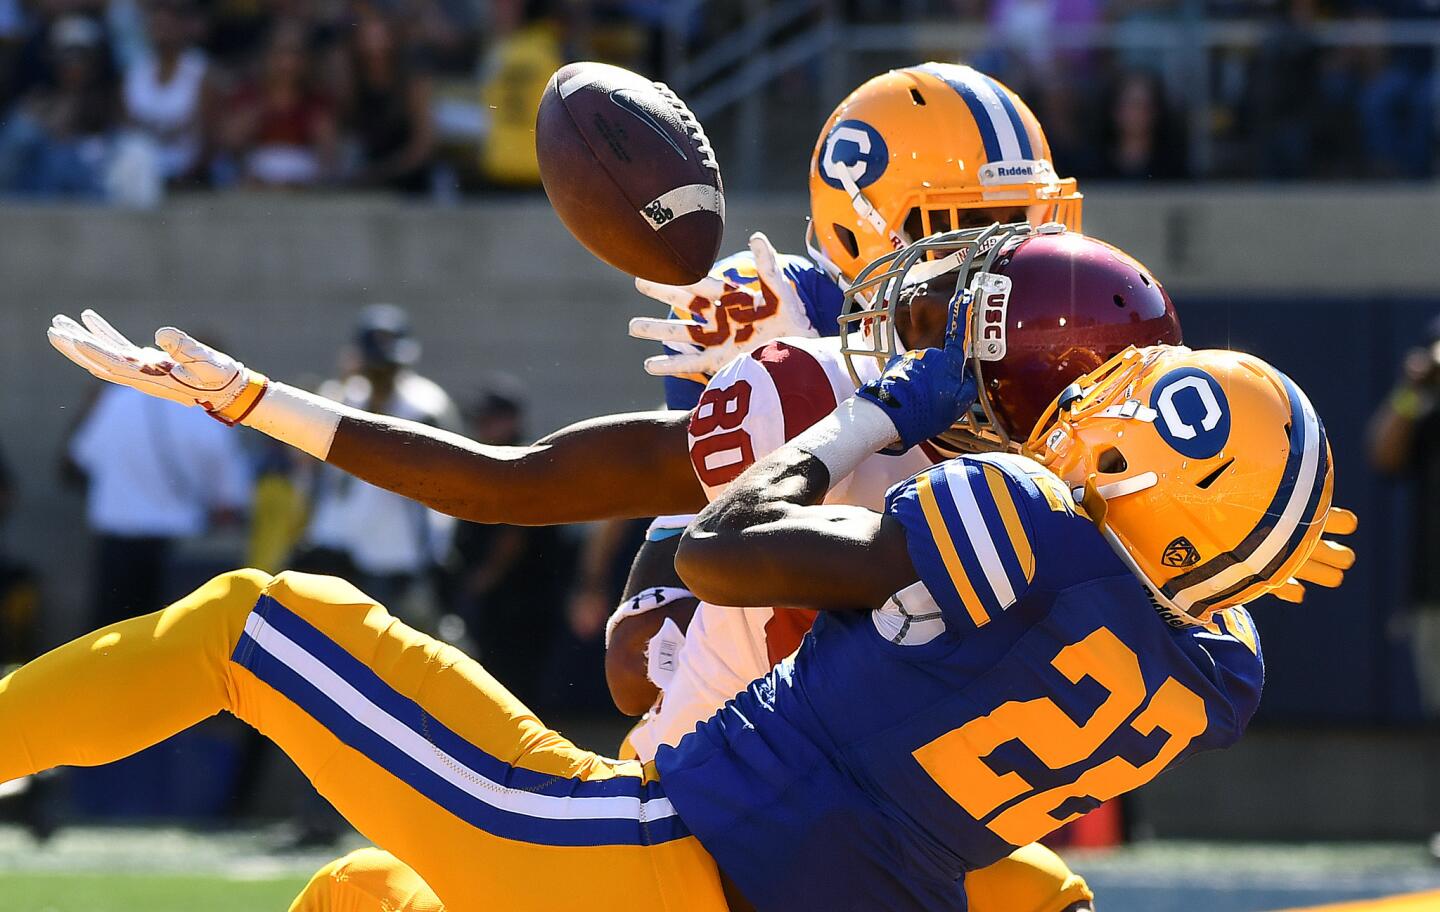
(867, 211)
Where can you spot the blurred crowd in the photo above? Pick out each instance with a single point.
(1275, 101)
(126, 99)
(123, 99)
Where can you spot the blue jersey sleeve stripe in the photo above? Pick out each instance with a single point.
(961, 481)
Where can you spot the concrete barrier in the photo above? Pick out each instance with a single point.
(500, 286)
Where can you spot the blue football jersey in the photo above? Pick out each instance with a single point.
(821, 296)
(1024, 679)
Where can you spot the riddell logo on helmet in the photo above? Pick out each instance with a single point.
(1020, 171)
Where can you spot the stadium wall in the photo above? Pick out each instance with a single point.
(500, 287)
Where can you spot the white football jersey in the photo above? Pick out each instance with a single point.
(752, 406)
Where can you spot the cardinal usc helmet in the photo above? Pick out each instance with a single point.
(1208, 471)
(1046, 306)
(916, 151)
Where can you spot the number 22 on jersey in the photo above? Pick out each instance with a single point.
(956, 760)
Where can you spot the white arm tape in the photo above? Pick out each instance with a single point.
(303, 420)
(856, 430)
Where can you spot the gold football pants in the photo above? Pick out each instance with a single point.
(420, 749)
(1030, 879)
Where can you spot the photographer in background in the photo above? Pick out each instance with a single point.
(1405, 443)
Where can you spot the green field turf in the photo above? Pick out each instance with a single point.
(59, 892)
(172, 869)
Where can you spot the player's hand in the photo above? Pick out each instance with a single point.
(726, 320)
(1327, 565)
(924, 392)
(179, 369)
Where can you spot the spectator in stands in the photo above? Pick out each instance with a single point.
(380, 541)
(1282, 95)
(1394, 102)
(280, 130)
(386, 545)
(20, 613)
(156, 473)
(388, 109)
(525, 50)
(1141, 141)
(578, 654)
(1026, 31)
(510, 581)
(19, 588)
(167, 95)
(12, 39)
(1405, 443)
(56, 142)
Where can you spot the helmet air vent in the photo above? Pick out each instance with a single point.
(916, 97)
(1208, 480)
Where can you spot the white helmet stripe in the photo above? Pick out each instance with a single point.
(1000, 120)
(1289, 521)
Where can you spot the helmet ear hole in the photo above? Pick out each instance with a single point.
(1111, 462)
(847, 240)
(914, 225)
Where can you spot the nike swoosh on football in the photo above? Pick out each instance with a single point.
(621, 98)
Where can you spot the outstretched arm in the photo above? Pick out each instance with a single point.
(620, 466)
(624, 466)
(768, 541)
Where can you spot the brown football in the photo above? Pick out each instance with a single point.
(630, 172)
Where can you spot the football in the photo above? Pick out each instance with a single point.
(630, 172)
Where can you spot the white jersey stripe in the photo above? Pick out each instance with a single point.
(983, 546)
(363, 710)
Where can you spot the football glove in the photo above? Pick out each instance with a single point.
(727, 320)
(180, 369)
(1327, 565)
(924, 392)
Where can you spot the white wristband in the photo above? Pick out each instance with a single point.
(856, 430)
(303, 420)
(644, 601)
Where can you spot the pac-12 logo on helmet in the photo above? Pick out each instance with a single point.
(856, 149)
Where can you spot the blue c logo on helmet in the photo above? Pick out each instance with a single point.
(856, 147)
(1191, 412)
